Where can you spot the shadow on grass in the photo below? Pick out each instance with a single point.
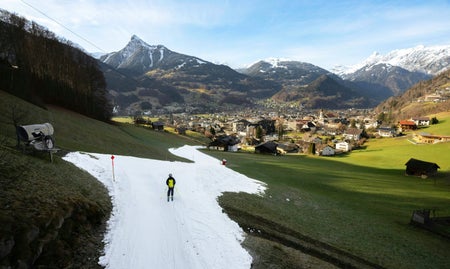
(338, 203)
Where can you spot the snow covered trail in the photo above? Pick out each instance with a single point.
(146, 231)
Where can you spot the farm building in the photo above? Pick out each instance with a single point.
(416, 167)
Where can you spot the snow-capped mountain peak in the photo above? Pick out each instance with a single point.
(430, 60)
(137, 55)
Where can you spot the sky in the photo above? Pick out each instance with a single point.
(147, 231)
(237, 33)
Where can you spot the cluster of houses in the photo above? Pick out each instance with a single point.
(324, 134)
(270, 134)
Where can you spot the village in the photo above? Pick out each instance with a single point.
(323, 133)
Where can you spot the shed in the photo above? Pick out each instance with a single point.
(416, 167)
(158, 125)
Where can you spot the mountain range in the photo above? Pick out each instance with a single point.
(143, 77)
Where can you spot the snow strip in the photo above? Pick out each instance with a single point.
(146, 231)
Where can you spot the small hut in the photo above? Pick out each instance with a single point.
(158, 125)
(420, 168)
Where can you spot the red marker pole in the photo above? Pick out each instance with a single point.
(112, 162)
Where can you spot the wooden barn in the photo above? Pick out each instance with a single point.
(416, 167)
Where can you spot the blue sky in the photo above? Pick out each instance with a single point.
(241, 32)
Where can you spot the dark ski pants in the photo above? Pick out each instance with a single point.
(170, 192)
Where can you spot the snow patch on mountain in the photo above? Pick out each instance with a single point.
(277, 62)
(430, 60)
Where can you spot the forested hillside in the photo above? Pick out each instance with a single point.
(41, 68)
(424, 98)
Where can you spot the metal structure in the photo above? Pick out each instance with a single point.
(38, 136)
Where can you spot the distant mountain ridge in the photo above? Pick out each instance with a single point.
(309, 85)
(152, 76)
(164, 78)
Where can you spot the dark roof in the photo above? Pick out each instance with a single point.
(421, 164)
(420, 168)
(268, 146)
(225, 140)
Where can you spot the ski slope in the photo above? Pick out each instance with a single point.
(146, 231)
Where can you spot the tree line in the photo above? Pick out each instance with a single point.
(39, 67)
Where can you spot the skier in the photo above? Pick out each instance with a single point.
(170, 182)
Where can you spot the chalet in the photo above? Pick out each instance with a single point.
(353, 134)
(227, 142)
(421, 121)
(386, 132)
(416, 167)
(269, 147)
(407, 125)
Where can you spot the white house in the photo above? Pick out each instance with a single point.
(386, 132)
(421, 121)
(344, 146)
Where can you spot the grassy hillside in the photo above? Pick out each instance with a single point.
(357, 204)
(53, 214)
